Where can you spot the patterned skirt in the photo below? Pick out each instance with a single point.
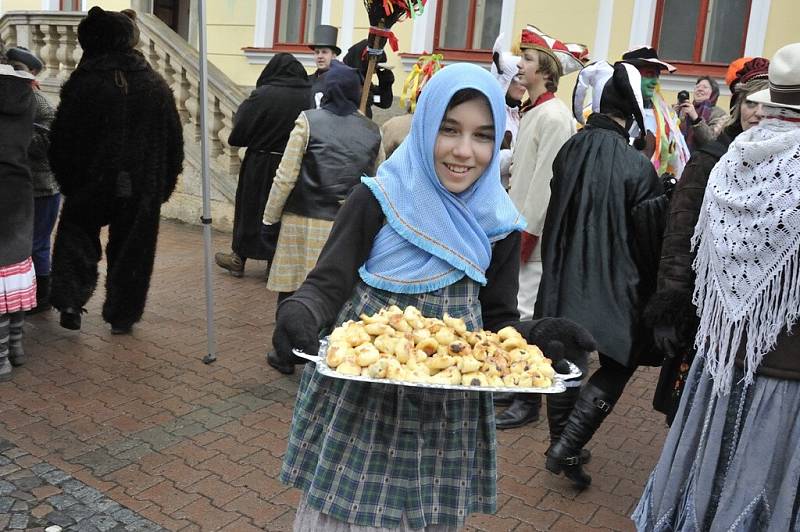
(17, 287)
(299, 244)
(730, 463)
(378, 455)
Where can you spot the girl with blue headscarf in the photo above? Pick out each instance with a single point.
(434, 229)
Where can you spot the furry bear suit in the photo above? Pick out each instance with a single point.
(116, 152)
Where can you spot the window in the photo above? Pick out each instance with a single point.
(467, 25)
(708, 32)
(296, 21)
(69, 5)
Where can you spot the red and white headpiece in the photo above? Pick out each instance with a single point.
(569, 56)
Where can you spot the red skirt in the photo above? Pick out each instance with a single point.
(17, 287)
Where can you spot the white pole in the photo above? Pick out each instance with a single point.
(211, 356)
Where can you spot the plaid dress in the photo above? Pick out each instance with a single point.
(372, 454)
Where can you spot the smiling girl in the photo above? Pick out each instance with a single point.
(436, 230)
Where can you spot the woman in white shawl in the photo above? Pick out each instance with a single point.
(732, 457)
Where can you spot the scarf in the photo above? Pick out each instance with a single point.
(748, 249)
(342, 92)
(283, 70)
(671, 152)
(433, 237)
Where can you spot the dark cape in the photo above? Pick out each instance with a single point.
(601, 240)
(17, 110)
(381, 94)
(262, 124)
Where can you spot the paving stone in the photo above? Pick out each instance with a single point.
(56, 476)
(6, 503)
(4, 460)
(87, 495)
(106, 506)
(134, 453)
(28, 483)
(79, 512)
(42, 468)
(125, 516)
(8, 469)
(15, 452)
(22, 496)
(6, 487)
(158, 438)
(59, 518)
(101, 462)
(103, 522)
(62, 502)
(41, 510)
(18, 521)
(5, 445)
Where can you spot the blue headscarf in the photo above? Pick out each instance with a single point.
(433, 237)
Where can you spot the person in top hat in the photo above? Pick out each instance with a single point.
(730, 460)
(46, 196)
(325, 51)
(664, 144)
(545, 126)
(599, 256)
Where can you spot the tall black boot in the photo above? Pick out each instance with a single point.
(592, 407)
(524, 410)
(559, 408)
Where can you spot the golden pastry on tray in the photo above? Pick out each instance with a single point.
(404, 345)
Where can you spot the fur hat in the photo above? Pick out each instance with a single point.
(20, 54)
(103, 31)
(504, 64)
(622, 95)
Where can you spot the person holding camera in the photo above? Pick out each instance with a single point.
(701, 119)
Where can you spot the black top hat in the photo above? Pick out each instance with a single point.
(646, 56)
(325, 36)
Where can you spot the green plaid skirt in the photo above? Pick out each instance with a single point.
(367, 454)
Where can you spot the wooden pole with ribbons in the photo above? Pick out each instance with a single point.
(382, 16)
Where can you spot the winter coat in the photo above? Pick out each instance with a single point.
(601, 240)
(17, 109)
(117, 123)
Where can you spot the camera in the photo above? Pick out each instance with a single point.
(683, 96)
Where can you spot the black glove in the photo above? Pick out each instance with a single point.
(666, 339)
(295, 328)
(559, 339)
(385, 77)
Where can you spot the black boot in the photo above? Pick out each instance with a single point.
(503, 398)
(559, 407)
(42, 295)
(70, 318)
(524, 410)
(592, 407)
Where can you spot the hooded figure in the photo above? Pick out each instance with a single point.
(328, 151)
(380, 94)
(600, 255)
(116, 151)
(262, 124)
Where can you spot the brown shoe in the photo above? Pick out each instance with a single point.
(231, 262)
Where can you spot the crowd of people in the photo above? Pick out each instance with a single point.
(632, 231)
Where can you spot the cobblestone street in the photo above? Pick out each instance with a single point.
(102, 432)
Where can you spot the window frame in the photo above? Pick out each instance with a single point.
(460, 54)
(62, 2)
(284, 46)
(696, 66)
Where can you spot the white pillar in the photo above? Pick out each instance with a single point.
(348, 24)
(50, 5)
(602, 37)
(757, 28)
(325, 16)
(642, 23)
(265, 24)
(422, 33)
(507, 22)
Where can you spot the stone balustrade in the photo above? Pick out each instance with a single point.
(53, 36)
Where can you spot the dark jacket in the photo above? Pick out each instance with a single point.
(117, 122)
(601, 239)
(17, 110)
(340, 150)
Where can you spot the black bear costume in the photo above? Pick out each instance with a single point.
(116, 152)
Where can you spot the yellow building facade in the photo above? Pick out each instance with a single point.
(699, 36)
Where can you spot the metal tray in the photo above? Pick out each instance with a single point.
(557, 386)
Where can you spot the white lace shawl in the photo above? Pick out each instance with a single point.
(748, 248)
